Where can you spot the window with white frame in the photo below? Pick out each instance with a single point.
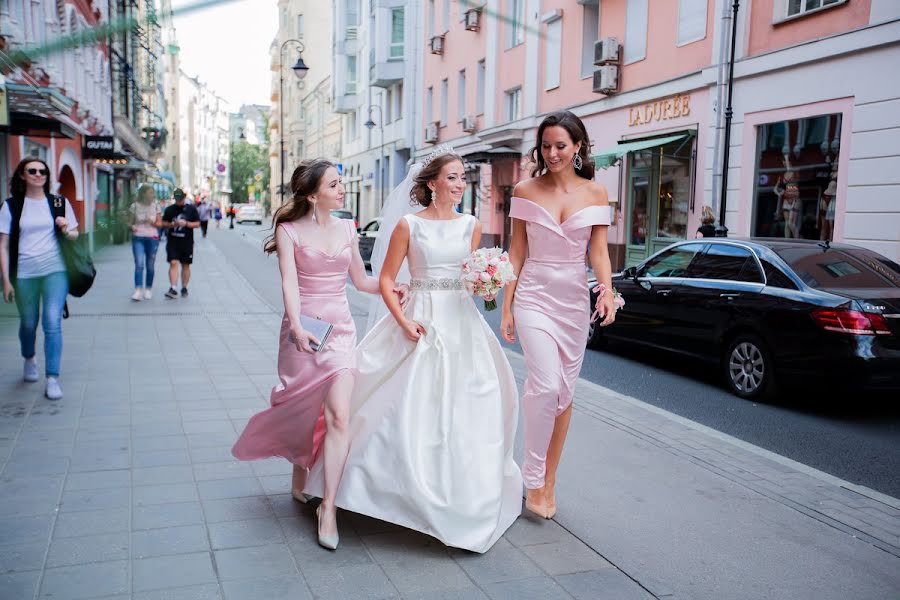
(479, 89)
(553, 46)
(461, 95)
(398, 99)
(397, 31)
(513, 99)
(300, 27)
(636, 13)
(691, 21)
(445, 93)
(429, 104)
(798, 7)
(590, 33)
(515, 27)
(351, 75)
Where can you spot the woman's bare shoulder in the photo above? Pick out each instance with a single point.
(597, 193)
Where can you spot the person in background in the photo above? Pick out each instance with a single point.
(146, 219)
(707, 227)
(32, 265)
(217, 214)
(180, 219)
(203, 209)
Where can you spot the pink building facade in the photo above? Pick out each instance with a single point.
(809, 86)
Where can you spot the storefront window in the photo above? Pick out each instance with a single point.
(796, 178)
(674, 190)
(640, 194)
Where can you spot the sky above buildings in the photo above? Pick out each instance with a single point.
(227, 47)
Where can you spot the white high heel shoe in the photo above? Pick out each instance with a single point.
(329, 542)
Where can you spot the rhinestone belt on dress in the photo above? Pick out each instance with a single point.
(435, 285)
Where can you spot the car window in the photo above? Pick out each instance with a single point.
(726, 262)
(841, 268)
(671, 263)
(775, 277)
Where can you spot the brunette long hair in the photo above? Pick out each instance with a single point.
(420, 192)
(17, 185)
(572, 124)
(304, 182)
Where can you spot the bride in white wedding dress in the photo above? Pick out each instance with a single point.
(434, 412)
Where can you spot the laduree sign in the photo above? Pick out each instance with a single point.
(660, 110)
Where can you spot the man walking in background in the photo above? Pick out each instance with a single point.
(204, 209)
(180, 220)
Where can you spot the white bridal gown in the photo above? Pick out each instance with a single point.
(432, 423)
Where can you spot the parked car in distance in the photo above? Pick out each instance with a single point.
(249, 212)
(367, 238)
(767, 311)
(341, 213)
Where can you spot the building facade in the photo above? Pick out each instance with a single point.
(303, 123)
(377, 69)
(809, 106)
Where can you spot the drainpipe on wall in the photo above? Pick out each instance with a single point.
(721, 230)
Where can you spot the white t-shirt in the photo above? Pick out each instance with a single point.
(38, 248)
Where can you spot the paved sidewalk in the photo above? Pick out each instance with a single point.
(126, 488)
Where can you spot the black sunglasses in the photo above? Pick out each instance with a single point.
(36, 172)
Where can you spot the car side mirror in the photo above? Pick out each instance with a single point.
(630, 273)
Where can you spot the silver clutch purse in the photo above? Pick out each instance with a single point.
(318, 328)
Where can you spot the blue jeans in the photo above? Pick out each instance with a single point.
(144, 249)
(53, 288)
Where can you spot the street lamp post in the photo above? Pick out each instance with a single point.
(369, 125)
(722, 230)
(300, 69)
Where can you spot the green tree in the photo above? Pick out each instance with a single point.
(248, 161)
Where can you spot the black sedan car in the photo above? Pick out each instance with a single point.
(768, 311)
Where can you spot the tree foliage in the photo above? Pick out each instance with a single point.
(248, 160)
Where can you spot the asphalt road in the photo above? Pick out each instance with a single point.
(856, 438)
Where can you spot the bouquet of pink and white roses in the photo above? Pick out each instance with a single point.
(486, 271)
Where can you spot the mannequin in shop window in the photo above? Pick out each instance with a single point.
(827, 206)
(788, 200)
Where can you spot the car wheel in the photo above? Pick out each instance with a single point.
(749, 368)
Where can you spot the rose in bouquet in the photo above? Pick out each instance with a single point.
(487, 271)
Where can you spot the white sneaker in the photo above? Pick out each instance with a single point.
(31, 371)
(136, 296)
(147, 294)
(53, 391)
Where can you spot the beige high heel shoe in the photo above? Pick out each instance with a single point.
(329, 542)
(539, 509)
(298, 494)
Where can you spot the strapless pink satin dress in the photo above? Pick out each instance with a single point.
(551, 312)
(294, 426)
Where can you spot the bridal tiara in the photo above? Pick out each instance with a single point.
(438, 151)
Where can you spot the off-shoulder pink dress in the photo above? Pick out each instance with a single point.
(552, 313)
(294, 426)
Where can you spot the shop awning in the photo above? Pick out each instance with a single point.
(608, 157)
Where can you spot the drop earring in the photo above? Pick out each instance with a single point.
(577, 162)
(314, 217)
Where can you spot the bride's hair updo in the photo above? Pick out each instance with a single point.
(421, 193)
(304, 183)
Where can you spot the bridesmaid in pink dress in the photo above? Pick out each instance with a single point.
(557, 215)
(310, 404)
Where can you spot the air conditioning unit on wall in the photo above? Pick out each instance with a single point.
(606, 51)
(437, 44)
(469, 123)
(431, 133)
(606, 80)
(473, 19)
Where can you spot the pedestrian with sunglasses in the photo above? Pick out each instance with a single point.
(32, 267)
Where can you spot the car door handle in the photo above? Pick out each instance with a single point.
(663, 292)
(729, 296)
